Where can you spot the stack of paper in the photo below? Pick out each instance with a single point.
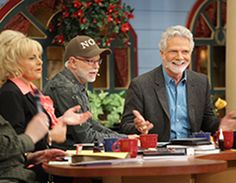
(88, 155)
(197, 149)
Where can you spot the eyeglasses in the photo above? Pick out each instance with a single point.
(90, 62)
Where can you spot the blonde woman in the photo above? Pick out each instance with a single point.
(20, 65)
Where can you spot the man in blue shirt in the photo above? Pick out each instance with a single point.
(171, 100)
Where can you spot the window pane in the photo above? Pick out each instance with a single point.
(201, 56)
(122, 67)
(102, 80)
(218, 66)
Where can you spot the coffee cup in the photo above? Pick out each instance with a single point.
(126, 145)
(148, 141)
(108, 142)
(228, 139)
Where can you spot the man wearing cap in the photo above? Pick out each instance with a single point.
(67, 89)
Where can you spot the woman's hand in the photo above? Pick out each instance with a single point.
(39, 121)
(58, 133)
(72, 117)
(45, 156)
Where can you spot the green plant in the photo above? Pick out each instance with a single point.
(104, 20)
(106, 107)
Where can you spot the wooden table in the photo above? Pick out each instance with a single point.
(226, 176)
(158, 170)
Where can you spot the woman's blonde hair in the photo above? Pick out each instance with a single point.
(14, 46)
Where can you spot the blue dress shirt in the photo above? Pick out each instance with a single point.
(179, 121)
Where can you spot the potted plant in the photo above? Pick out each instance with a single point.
(104, 20)
(107, 107)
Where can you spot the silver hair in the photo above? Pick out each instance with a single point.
(177, 30)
